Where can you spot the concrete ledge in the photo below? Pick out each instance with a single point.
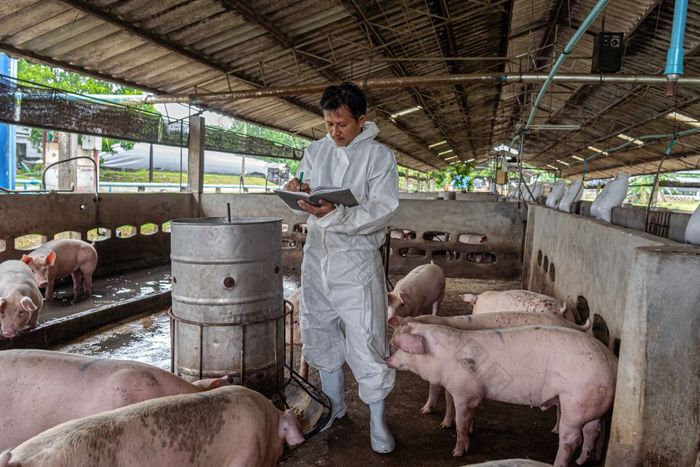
(75, 325)
(655, 420)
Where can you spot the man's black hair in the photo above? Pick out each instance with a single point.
(348, 94)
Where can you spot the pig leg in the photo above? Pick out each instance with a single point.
(48, 294)
(449, 411)
(437, 303)
(86, 272)
(433, 394)
(556, 425)
(465, 410)
(569, 440)
(77, 284)
(591, 431)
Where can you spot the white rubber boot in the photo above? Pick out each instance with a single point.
(333, 385)
(379, 435)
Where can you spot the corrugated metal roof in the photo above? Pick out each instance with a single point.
(189, 46)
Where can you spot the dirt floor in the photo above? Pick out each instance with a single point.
(502, 431)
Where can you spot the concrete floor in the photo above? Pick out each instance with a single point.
(106, 291)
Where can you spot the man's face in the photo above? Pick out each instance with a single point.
(342, 126)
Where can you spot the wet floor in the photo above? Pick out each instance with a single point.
(145, 339)
(107, 291)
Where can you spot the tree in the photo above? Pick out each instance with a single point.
(75, 83)
(459, 175)
(640, 194)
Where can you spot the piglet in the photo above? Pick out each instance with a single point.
(530, 365)
(57, 259)
(422, 288)
(516, 300)
(228, 426)
(293, 330)
(20, 298)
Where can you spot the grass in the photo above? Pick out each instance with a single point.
(141, 176)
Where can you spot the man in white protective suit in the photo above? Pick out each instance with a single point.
(344, 297)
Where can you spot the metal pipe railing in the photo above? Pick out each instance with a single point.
(419, 81)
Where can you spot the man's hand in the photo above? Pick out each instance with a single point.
(321, 211)
(293, 185)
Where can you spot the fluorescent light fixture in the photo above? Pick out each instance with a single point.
(503, 147)
(555, 127)
(629, 138)
(683, 118)
(564, 163)
(439, 143)
(450, 158)
(453, 163)
(552, 167)
(470, 160)
(445, 152)
(401, 113)
(578, 158)
(599, 151)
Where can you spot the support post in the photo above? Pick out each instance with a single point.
(150, 164)
(195, 158)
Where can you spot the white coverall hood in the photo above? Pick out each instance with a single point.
(343, 289)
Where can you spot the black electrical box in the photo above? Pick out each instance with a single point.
(607, 52)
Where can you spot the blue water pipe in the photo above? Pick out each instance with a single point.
(674, 57)
(8, 155)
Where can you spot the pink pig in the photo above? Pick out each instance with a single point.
(57, 259)
(228, 426)
(472, 238)
(516, 300)
(504, 319)
(530, 365)
(20, 298)
(41, 389)
(422, 288)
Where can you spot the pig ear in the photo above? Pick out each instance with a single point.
(410, 343)
(3, 305)
(405, 298)
(219, 382)
(51, 258)
(27, 304)
(562, 310)
(469, 298)
(26, 259)
(395, 321)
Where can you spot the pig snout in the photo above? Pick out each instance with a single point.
(289, 428)
(9, 331)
